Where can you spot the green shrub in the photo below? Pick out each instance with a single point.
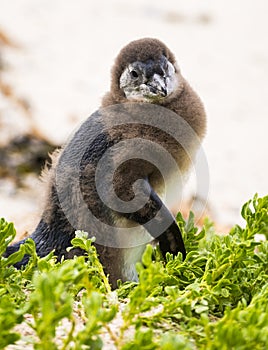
(217, 298)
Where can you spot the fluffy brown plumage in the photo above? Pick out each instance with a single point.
(184, 101)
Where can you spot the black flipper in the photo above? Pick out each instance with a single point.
(160, 223)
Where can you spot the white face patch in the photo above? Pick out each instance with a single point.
(172, 80)
(140, 85)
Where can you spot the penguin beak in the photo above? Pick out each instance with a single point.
(156, 77)
(157, 85)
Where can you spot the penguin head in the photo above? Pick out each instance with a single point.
(145, 70)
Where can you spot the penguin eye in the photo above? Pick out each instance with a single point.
(134, 74)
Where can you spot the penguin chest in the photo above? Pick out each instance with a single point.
(132, 241)
(130, 258)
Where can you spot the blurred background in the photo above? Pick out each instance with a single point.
(55, 61)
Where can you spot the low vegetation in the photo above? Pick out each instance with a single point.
(217, 298)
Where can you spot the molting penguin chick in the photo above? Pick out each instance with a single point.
(145, 75)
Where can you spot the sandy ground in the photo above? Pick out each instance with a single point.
(61, 66)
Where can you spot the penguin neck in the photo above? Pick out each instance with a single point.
(184, 102)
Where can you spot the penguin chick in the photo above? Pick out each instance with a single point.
(144, 76)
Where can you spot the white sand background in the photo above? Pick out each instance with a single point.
(62, 67)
